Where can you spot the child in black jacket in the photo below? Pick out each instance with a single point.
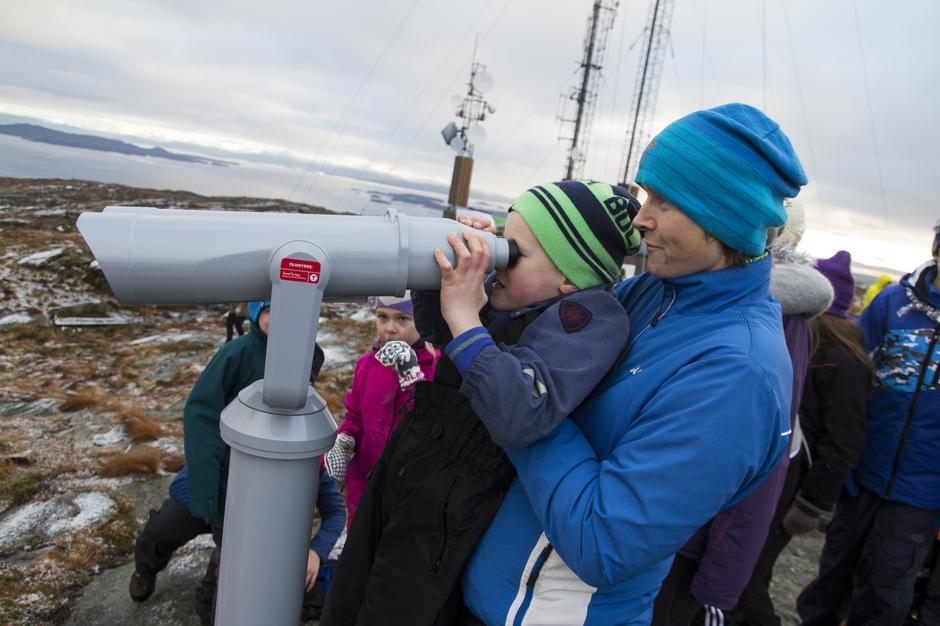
(553, 330)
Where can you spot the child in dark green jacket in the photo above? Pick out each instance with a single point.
(236, 365)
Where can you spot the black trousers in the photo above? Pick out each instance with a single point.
(430, 498)
(755, 607)
(204, 597)
(675, 605)
(233, 323)
(873, 550)
(167, 530)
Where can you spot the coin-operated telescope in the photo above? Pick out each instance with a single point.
(278, 427)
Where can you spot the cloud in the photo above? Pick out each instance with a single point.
(369, 85)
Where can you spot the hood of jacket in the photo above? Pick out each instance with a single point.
(799, 287)
(917, 287)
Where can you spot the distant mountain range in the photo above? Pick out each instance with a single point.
(32, 132)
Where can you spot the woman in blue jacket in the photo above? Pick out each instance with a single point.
(693, 417)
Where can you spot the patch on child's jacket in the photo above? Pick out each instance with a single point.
(573, 316)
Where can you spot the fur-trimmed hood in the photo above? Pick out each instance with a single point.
(799, 287)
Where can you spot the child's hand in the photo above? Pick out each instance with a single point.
(462, 293)
(480, 223)
(313, 567)
(402, 358)
(337, 459)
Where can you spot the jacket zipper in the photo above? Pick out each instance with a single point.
(910, 412)
(440, 554)
(539, 564)
(404, 469)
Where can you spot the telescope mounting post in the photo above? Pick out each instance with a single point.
(277, 430)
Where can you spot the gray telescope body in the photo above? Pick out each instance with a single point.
(279, 427)
(174, 256)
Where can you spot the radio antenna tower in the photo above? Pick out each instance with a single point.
(585, 93)
(472, 109)
(650, 71)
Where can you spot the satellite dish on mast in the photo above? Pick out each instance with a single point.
(456, 144)
(476, 134)
(482, 82)
(449, 132)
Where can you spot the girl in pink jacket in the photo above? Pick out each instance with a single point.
(382, 391)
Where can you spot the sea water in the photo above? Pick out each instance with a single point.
(21, 158)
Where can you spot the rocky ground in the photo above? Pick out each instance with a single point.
(90, 430)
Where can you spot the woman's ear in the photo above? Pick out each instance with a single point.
(568, 287)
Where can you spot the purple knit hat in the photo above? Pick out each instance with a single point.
(838, 270)
(399, 304)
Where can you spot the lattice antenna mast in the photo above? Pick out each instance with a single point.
(585, 93)
(650, 71)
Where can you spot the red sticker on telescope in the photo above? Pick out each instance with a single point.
(300, 271)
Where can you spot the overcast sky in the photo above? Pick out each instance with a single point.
(370, 84)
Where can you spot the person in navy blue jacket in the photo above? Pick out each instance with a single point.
(881, 532)
(174, 525)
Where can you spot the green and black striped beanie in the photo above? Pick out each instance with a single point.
(584, 226)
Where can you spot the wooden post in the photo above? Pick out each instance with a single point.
(459, 185)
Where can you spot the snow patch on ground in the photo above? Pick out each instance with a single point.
(362, 315)
(40, 259)
(106, 439)
(16, 318)
(41, 521)
(165, 338)
(191, 555)
(168, 444)
(96, 482)
(93, 507)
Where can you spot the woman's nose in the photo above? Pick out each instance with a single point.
(643, 220)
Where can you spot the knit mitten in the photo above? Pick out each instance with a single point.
(401, 357)
(802, 517)
(337, 459)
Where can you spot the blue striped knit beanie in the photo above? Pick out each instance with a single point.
(728, 169)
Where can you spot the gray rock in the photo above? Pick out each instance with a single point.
(106, 601)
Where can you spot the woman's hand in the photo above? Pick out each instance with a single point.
(462, 293)
(313, 566)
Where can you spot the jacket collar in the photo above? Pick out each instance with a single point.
(918, 291)
(713, 291)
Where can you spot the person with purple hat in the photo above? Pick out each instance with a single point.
(832, 435)
(382, 391)
(881, 531)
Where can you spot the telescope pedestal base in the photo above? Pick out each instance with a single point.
(272, 490)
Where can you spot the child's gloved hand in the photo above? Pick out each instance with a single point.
(337, 459)
(402, 358)
(802, 517)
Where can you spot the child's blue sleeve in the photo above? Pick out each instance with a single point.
(523, 391)
(332, 517)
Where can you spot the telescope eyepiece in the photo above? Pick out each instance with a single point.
(513, 253)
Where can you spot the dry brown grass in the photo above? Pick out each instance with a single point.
(79, 401)
(137, 460)
(138, 424)
(81, 551)
(6, 468)
(173, 462)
